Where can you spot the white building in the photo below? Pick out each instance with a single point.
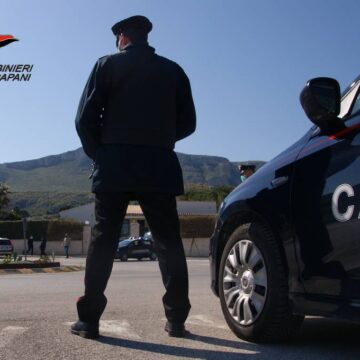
(135, 223)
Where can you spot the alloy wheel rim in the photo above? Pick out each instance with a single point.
(245, 282)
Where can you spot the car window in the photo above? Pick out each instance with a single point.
(348, 99)
(4, 242)
(356, 106)
(124, 242)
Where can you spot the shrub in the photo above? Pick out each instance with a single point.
(197, 226)
(53, 229)
(11, 229)
(206, 193)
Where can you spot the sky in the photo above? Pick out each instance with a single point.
(247, 62)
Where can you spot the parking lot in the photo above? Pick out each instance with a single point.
(37, 309)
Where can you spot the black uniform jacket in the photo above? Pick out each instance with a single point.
(135, 106)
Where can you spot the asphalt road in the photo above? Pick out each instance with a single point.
(37, 309)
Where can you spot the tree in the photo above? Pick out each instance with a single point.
(220, 193)
(4, 196)
(14, 214)
(5, 213)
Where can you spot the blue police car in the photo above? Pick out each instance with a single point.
(136, 248)
(286, 242)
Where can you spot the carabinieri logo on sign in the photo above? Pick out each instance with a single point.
(13, 72)
(18, 72)
(6, 40)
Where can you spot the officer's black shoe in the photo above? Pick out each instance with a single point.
(175, 329)
(85, 330)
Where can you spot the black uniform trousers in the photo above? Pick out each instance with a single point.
(161, 214)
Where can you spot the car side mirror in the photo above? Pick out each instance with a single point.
(320, 100)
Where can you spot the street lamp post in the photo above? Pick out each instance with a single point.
(24, 226)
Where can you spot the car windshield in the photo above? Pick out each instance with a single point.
(123, 243)
(4, 242)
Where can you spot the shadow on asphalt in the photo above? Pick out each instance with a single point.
(188, 352)
(318, 331)
(322, 338)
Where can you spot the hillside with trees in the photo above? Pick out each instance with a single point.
(57, 182)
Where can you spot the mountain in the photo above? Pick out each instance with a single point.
(63, 179)
(68, 172)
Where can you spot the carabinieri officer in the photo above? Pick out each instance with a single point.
(135, 106)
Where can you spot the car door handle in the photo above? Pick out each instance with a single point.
(279, 181)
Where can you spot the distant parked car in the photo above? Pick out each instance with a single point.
(137, 248)
(6, 247)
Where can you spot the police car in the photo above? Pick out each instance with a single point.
(136, 248)
(286, 242)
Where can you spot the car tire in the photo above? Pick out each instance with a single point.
(123, 257)
(153, 256)
(253, 287)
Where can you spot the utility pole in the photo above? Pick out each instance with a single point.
(24, 225)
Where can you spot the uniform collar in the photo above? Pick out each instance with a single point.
(144, 45)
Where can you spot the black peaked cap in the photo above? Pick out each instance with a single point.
(133, 22)
(244, 167)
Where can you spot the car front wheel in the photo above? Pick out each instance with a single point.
(253, 287)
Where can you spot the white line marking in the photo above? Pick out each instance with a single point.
(202, 320)
(120, 328)
(9, 333)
